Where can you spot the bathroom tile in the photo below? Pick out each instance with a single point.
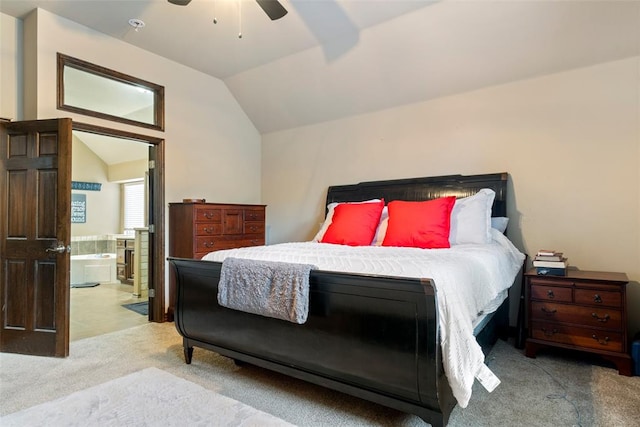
(101, 246)
(87, 247)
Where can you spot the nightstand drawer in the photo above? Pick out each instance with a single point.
(208, 229)
(587, 316)
(551, 293)
(598, 297)
(576, 336)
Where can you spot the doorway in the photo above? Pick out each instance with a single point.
(130, 265)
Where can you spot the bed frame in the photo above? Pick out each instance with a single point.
(373, 337)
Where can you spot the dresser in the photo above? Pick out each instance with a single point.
(195, 229)
(584, 310)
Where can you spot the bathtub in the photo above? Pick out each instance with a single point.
(100, 268)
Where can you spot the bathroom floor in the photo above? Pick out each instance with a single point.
(98, 310)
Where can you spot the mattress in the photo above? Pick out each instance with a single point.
(471, 281)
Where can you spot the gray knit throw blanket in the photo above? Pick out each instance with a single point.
(269, 288)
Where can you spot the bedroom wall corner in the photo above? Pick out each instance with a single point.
(11, 52)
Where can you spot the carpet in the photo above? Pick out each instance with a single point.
(554, 389)
(148, 397)
(138, 307)
(85, 285)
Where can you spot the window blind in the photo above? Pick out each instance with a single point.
(134, 205)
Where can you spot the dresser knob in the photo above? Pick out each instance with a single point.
(208, 230)
(597, 298)
(547, 311)
(209, 244)
(550, 294)
(602, 319)
(601, 342)
(208, 215)
(551, 332)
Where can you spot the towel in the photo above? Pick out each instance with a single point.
(269, 288)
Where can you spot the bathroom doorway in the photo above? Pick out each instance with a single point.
(116, 231)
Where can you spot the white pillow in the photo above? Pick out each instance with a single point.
(329, 218)
(471, 218)
(500, 223)
(382, 228)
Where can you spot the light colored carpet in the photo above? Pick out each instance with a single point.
(555, 389)
(150, 397)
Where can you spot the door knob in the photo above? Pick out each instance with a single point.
(59, 249)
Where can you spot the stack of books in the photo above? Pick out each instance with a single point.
(550, 263)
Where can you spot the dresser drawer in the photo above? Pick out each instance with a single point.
(551, 293)
(587, 316)
(254, 214)
(598, 297)
(210, 244)
(577, 336)
(208, 229)
(254, 227)
(259, 241)
(206, 244)
(208, 214)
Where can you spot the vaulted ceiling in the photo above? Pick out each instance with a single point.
(328, 59)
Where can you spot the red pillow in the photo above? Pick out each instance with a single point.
(419, 224)
(354, 224)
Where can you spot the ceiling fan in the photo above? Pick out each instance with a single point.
(272, 8)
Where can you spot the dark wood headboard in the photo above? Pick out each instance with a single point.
(427, 188)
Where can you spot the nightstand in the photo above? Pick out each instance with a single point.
(584, 310)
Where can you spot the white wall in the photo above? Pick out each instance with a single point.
(570, 142)
(103, 207)
(212, 149)
(127, 171)
(10, 67)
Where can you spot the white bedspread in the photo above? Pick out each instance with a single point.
(467, 278)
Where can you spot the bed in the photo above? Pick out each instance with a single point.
(374, 336)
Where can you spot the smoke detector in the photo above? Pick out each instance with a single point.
(136, 23)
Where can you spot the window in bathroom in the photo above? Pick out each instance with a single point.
(134, 202)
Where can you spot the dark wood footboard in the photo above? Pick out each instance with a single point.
(372, 337)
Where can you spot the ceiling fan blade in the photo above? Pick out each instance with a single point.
(272, 8)
(180, 2)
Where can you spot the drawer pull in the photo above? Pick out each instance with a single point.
(602, 319)
(208, 230)
(597, 298)
(601, 342)
(208, 215)
(550, 294)
(551, 332)
(547, 311)
(253, 228)
(209, 244)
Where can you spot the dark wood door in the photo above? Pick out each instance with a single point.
(35, 233)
